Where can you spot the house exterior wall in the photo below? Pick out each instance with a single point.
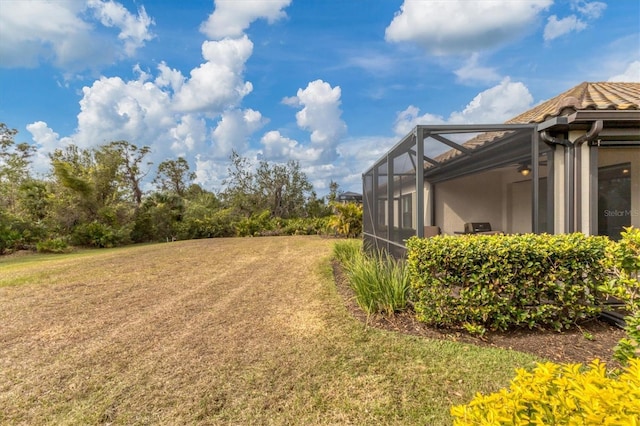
(501, 197)
(519, 207)
(469, 199)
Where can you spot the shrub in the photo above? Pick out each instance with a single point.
(502, 281)
(302, 226)
(9, 237)
(624, 257)
(18, 233)
(215, 224)
(346, 251)
(254, 225)
(96, 234)
(380, 283)
(347, 219)
(559, 395)
(53, 245)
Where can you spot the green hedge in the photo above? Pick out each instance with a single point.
(504, 281)
(624, 257)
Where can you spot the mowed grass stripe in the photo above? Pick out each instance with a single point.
(220, 331)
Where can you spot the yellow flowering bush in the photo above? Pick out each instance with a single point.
(559, 394)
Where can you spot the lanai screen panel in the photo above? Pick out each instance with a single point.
(398, 188)
(368, 202)
(403, 192)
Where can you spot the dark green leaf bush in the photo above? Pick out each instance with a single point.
(17, 233)
(52, 245)
(254, 225)
(504, 281)
(624, 257)
(96, 234)
(214, 224)
(302, 226)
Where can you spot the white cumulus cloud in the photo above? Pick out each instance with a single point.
(134, 30)
(494, 105)
(320, 115)
(218, 83)
(558, 27)
(587, 11)
(631, 74)
(471, 71)
(231, 17)
(47, 141)
(445, 27)
(169, 77)
(233, 131)
(188, 135)
(72, 35)
(280, 149)
(196, 115)
(114, 109)
(410, 118)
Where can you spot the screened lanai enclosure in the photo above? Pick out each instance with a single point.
(570, 164)
(439, 178)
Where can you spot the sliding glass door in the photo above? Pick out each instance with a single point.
(614, 199)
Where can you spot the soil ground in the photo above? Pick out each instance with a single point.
(583, 343)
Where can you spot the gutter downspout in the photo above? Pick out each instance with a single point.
(596, 128)
(570, 168)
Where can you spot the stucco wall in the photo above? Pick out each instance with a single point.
(476, 198)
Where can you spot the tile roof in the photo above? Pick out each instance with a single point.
(585, 96)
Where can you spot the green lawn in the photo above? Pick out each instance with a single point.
(219, 331)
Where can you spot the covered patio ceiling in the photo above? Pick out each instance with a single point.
(451, 151)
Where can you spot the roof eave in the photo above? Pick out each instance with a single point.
(580, 118)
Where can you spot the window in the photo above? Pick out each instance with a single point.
(382, 213)
(614, 199)
(407, 211)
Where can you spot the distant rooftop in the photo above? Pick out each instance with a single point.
(350, 196)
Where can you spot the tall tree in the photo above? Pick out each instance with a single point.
(240, 192)
(131, 158)
(333, 191)
(14, 166)
(174, 176)
(283, 189)
(17, 230)
(91, 186)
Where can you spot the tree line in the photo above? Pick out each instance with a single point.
(95, 197)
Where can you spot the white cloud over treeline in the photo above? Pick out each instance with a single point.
(201, 113)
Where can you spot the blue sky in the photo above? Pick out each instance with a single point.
(332, 84)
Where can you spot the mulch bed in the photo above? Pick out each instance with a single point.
(590, 340)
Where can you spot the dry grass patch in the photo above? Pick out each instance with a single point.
(221, 331)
